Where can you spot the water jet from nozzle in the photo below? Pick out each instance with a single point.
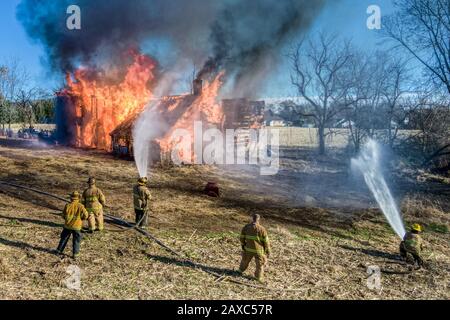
(368, 163)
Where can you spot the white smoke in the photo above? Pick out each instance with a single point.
(368, 163)
(146, 129)
(150, 125)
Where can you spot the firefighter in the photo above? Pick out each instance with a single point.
(413, 244)
(94, 200)
(141, 199)
(74, 213)
(255, 244)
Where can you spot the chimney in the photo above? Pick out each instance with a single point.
(197, 86)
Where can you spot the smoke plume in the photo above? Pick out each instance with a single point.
(110, 27)
(242, 37)
(247, 36)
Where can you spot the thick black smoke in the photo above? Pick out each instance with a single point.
(247, 36)
(240, 36)
(110, 27)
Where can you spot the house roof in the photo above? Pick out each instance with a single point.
(172, 110)
(126, 126)
(169, 108)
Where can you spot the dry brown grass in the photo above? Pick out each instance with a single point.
(40, 126)
(322, 253)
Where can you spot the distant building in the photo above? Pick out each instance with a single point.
(279, 123)
(273, 120)
(344, 123)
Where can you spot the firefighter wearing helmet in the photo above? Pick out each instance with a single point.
(141, 199)
(94, 201)
(413, 244)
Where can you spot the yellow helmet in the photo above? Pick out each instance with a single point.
(142, 181)
(416, 227)
(75, 195)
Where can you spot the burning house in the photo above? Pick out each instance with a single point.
(93, 113)
(92, 105)
(179, 111)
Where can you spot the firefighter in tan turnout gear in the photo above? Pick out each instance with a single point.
(94, 200)
(255, 244)
(141, 199)
(413, 244)
(74, 213)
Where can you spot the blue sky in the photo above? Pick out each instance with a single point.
(15, 43)
(346, 18)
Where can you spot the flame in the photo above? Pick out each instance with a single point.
(205, 108)
(100, 107)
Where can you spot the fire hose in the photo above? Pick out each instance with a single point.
(111, 218)
(128, 226)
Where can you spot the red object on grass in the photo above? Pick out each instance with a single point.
(212, 189)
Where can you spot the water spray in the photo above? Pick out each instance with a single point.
(368, 163)
(147, 127)
(141, 148)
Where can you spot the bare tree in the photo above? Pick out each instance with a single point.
(379, 98)
(432, 139)
(358, 115)
(3, 111)
(422, 28)
(427, 142)
(398, 99)
(318, 75)
(13, 78)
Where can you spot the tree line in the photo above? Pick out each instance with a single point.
(379, 93)
(20, 103)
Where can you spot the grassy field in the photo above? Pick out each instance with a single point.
(335, 138)
(321, 247)
(38, 126)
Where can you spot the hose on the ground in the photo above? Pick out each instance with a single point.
(118, 221)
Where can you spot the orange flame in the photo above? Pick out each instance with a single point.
(205, 108)
(100, 107)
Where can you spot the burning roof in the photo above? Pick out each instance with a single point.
(180, 112)
(170, 113)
